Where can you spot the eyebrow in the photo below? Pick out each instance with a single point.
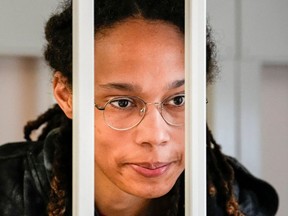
(121, 86)
(176, 84)
(130, 87)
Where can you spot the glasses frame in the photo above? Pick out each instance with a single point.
(158, 105)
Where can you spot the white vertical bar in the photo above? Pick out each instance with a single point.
(195, 129)
(83, 108)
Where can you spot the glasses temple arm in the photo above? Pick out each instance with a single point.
(99, 107)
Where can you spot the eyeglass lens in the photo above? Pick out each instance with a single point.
(126, 112)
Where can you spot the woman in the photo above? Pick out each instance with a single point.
(139, 96)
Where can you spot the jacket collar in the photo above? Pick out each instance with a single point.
(48, 151)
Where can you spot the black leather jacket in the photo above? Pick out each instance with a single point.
(25, 170)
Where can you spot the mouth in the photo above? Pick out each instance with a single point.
(150, 170)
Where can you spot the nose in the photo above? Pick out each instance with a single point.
(153, 130)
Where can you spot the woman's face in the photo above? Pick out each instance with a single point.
(143, 59)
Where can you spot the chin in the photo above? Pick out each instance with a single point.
(151, 191)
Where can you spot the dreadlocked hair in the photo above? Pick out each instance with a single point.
(220, 177)
(61, 184)
(52, 118)
(220, 174)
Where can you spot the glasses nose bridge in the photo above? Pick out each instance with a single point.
(158, 106)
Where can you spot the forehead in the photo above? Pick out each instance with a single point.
(134, 34)
(138, 50)
(134, 27)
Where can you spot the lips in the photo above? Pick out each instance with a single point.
(150, 170)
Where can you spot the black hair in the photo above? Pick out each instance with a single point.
(58, 54)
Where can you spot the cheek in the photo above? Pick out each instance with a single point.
(179, 138)
(108, 146)
(105, 152)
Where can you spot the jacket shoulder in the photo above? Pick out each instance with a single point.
(14, 176)
(18, 149)
(256, 197)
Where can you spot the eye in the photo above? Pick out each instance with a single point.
(177, 100)
(122, 103)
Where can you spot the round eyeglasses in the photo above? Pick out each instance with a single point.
(126, 112)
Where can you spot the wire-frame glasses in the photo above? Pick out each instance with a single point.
(126, 112)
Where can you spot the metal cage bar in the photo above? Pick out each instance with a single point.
(195, 121)
(83, 108)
